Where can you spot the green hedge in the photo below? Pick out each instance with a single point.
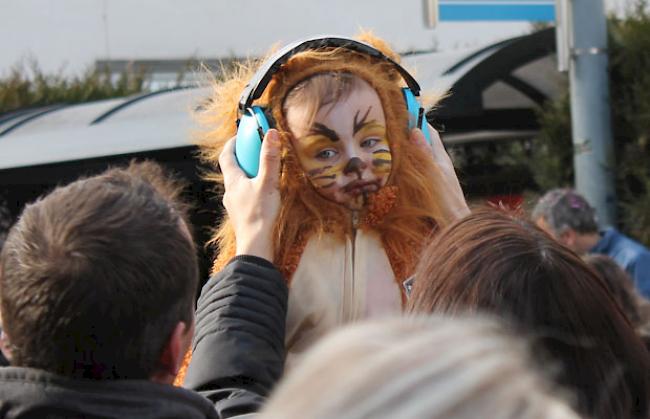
(27, 86)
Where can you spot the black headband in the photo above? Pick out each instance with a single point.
(262, 77)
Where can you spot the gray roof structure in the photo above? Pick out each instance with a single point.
(153, 121)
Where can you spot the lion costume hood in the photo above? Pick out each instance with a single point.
(341, 265)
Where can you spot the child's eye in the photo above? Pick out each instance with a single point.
(326, 154)
(370, 142)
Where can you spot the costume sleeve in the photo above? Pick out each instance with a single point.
(238, 348)
(641, 274)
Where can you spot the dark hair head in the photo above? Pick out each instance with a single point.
(565, 208)
(618, 283)
(493, 262)
(95, 275)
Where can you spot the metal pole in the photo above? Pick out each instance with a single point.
(430, 13)
(590, 115)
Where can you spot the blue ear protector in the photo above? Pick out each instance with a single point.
(255, 121)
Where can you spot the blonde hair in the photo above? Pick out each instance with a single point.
(415, 368)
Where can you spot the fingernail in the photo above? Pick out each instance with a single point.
(273, 137)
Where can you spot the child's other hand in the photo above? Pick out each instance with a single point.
(454, 204)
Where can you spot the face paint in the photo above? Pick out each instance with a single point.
(345, 152)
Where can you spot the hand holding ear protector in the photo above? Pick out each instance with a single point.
(255, 121)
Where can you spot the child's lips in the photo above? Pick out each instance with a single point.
(358, 187)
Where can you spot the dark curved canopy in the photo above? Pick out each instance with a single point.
(493, 92)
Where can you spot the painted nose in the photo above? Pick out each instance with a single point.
(355, 165)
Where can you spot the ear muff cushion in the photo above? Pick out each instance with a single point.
(416, 113)
(424, 126)
(248, 144)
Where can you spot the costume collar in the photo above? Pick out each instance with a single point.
(379, 205)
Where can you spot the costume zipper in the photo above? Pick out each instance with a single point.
(355, 224)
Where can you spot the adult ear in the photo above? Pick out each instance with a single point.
(172, 355)
(568, 238)
(5, 346)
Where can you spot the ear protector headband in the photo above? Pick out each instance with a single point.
(255, 121)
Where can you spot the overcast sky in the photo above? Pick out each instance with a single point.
(72, 34)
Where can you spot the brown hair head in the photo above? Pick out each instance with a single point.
(493, 262)
(95, 276)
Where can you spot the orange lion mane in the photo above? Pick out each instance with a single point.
(417, 210)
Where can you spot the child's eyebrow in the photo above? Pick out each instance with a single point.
(320, 129)
(358, 124)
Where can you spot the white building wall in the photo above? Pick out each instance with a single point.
(72, 34)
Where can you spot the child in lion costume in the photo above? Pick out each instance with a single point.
(360, 193)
